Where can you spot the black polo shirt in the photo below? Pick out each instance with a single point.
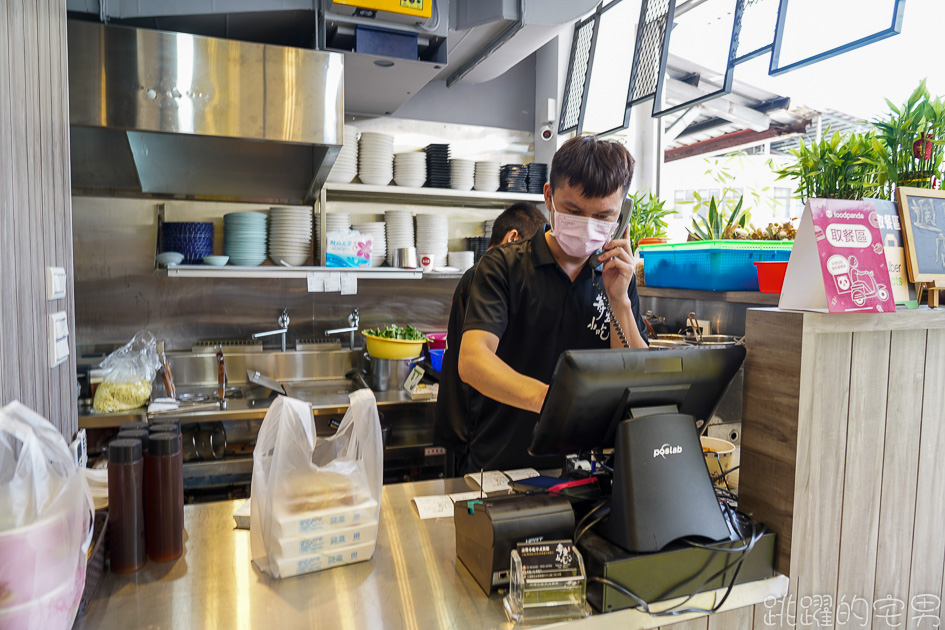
(520, 294)
(456, 401)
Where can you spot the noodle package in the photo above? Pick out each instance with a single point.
(130, 369)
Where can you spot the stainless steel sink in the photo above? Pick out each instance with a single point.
(322, 391)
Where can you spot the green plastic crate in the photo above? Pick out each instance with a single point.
(710, 265)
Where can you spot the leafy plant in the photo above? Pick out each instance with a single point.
(393, 331)
(647, 218)
(715, 226)
(907, 148)
(834, 168)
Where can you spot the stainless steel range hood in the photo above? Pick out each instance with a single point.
(176, 115)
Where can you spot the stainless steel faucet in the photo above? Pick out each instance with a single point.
(283, 328)
(353, 322)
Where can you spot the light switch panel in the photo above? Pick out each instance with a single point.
(55, 283)
(58, 338)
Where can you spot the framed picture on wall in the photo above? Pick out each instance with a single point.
(922, 214)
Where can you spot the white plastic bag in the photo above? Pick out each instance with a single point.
(315, 502)
(45, 524)
(130, 369)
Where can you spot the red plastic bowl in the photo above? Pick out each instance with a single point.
(771, 276)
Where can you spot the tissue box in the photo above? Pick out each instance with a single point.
(348, 249)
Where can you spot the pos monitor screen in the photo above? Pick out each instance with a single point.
(645, 404)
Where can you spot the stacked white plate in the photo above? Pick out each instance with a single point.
(376, 158)
(461, 260)
(487, 176)
(316, 242)
(461, 174)
(379, 231)
(410, 169)
(290, 235)
(399, 231)
(337, 221)
(345, 167)
(432, 237)
(244, 238)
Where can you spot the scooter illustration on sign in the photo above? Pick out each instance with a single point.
(860, 285)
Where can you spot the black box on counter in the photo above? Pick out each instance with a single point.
(677, 571)
(488, 529)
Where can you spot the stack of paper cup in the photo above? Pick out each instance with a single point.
(345, 167)
(461, 174)
(399, 231)
(487, 176)
(378, 230)
(410, 169)
(376, 158)
(461, 260)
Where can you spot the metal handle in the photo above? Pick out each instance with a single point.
(694, 324)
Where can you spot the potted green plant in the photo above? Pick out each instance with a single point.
(836, 167)
(647, 220)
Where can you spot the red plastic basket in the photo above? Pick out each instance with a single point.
(771, 275)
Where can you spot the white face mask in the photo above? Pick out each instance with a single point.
(578, 236)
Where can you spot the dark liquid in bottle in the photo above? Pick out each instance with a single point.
(125, 506)
(164, 494)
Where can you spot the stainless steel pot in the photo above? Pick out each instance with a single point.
(389, 374)
(406, 257)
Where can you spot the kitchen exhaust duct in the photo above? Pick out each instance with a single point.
(155, 113)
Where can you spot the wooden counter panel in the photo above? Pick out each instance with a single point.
(860, 509)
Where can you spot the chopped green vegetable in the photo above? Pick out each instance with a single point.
(393, 331)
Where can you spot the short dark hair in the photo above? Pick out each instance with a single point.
(522, 216)
(596, 167)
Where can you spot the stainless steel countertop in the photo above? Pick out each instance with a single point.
(414, 581)
(237, 409)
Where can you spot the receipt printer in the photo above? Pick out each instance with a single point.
(488, 529)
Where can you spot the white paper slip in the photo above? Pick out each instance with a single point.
(349, 284)
(521, 473)
(472, 495)
(438, 506)
(489, 481)
(315, 282)
(333, 282)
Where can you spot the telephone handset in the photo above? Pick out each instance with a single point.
(626, 209)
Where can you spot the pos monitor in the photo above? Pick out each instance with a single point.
(646, 405)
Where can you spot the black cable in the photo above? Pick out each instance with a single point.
(610, 310)
(579, 534)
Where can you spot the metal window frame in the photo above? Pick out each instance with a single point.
(729, 65)
(587, 75)
(775, 69)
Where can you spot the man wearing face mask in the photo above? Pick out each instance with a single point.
(534, 299)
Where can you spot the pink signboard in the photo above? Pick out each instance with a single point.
(843, 238)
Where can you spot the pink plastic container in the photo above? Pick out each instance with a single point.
(437, 341)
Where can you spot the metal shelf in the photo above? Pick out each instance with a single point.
(272, 271)
(426, 196)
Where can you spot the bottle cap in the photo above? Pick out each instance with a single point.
(124, 451)
(141, 436)
(162, 427)
(164, 444)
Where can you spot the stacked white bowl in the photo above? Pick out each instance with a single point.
(376, 158)
(244, 238)
(290, 235)
(487, 227)
(399, 231)
(432, 237)
(337, 222)
(345, 167)
(487, 176)
(461, 174)
(410, 169)
(461, 260)
(378, 230)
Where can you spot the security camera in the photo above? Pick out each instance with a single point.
(546, 132)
